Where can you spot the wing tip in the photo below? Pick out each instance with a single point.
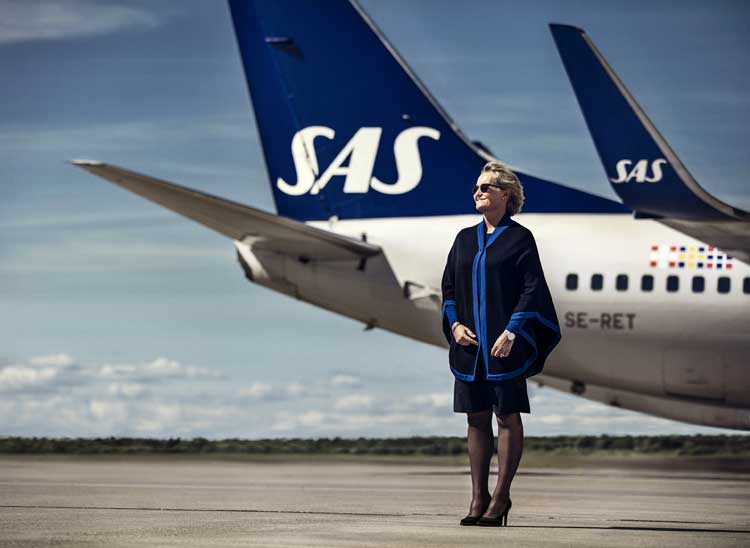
(84, 162)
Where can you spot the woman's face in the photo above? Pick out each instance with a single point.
(493, 200)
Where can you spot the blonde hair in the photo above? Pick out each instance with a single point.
(502, 176)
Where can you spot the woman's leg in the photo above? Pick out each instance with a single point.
(480, 444)
(509, 450)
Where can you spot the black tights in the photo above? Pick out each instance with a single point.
(480, 441)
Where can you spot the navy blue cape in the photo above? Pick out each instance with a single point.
(494, 282)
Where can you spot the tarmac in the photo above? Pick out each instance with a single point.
(160, 501)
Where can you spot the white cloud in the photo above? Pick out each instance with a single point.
(18, 377)
(127, 390)
(108, 411)
(257, 390)
(551, 419)
(317, 423)
(156, 370)
(47, 20)
(40, 372)
(591, 408)
(354, 402)
(265, 391)
(54, 395)
(437, 400)
(344, 380)
(56, 360)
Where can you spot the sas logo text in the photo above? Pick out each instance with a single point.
(639, 171)
(360, 152)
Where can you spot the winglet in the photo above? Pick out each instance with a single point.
(82, 162)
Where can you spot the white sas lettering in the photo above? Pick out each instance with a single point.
(639, 172)
(360, 151)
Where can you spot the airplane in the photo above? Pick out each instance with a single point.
(370, 178)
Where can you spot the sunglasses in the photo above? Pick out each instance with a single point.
(483, 187)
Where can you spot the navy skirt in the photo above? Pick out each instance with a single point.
(503, 397)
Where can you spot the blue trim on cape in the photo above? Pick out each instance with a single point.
(520, 319)
(516, 315)
(517, 320)
(483, 289)
(462, 376)
(449, 309)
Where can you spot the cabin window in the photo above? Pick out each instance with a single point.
(723, 284)
(746, 285)
(647, 282)
(673, 283)
(597, 282)
(571, 282)
(699, 284)
(621, 282)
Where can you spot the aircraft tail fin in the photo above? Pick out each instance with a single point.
(347, 128)
(642, 168)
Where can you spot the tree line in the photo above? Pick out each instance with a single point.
(698, 444)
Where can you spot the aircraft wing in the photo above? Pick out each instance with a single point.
(641, 166)
(239, 222)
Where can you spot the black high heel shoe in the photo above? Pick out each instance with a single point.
(472, 520)
(499, 521)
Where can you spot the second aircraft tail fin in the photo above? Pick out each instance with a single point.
(642, 168)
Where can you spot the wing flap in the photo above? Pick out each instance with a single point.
(234, 220)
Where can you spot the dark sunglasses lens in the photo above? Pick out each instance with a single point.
(474, 189)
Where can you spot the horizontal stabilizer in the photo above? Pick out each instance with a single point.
(239, 222)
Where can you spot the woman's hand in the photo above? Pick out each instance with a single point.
(502, 346)
(463, 335)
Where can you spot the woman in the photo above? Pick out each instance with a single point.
(501, 324)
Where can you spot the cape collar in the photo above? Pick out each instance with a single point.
(501, 226)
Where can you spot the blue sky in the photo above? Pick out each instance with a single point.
(122, 318)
